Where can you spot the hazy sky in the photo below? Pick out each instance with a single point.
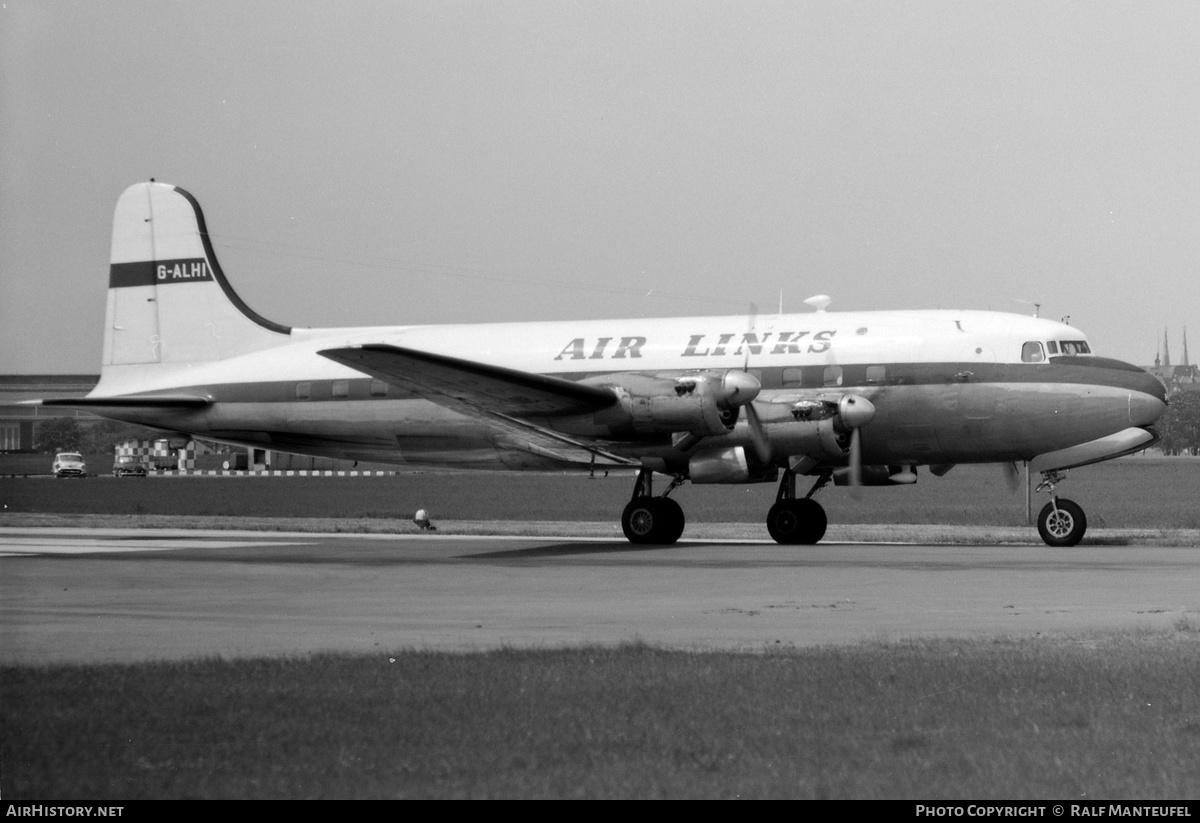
(406, 162)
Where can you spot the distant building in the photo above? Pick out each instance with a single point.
(16, 420)
(1183, 377)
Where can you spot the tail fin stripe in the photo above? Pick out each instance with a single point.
(160, 272)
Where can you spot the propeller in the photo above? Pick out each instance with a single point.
(1012, 476)
(855, 459)
(739, 388)
(758, 433)
(854, 412)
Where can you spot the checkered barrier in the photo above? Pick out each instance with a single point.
(158, 455)
(142, 449)
(187, 457)
(271, 473)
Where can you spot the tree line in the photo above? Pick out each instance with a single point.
(1180, 426)
(67, 434)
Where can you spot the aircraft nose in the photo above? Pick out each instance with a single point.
(1147, 400)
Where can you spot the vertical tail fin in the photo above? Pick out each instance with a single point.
(169, 303)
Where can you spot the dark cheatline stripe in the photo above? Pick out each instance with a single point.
(1093, 371)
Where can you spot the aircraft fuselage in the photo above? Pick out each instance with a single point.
(947, 386)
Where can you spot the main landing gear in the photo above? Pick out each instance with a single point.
(797, 521)
(652, 520)
(1061, 522)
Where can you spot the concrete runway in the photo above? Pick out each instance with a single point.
(92, 595)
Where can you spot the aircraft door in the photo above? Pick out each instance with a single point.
(977, 401)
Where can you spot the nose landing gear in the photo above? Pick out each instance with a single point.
(1061, 522)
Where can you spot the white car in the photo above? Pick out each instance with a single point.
(69, 464)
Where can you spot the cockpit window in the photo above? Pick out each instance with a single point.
(1052, 347)
(1031, 352)
(1075, 347)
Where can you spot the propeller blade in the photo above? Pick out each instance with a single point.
(855, 459)
(758, 435)
(751, 319)
(1012, 476)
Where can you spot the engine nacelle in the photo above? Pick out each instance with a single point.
(819, 427)
(703, 403)
(819, 439)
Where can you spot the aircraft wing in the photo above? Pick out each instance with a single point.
(498, 396)
(453, 382)
(522, 435)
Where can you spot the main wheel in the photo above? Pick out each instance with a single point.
(670, 521)
(1063, 525)
(649, 520)
(800, 521)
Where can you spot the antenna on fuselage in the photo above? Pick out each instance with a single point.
(1037, 307)
(820, 302)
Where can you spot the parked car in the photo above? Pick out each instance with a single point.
(126, 465)
(69, 464)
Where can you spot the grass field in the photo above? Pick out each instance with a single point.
(1090, 720)
(1134, 492)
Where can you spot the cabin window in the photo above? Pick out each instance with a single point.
(1031, 352)
(340, 388)
(833, 376)
(793, 377)
(1075, 347)
(1052, 347)
(303, 390)
(378, 388)
(876, 375)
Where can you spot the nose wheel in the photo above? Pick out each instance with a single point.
(1061, 522)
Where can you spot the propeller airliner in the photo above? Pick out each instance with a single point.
(820, 397)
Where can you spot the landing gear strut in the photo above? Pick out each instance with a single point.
(797, 521)
(652, 520)
(1061, 522)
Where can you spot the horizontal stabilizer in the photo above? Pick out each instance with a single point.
(453, 382)
(142, 401)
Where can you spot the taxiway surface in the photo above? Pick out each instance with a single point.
(94, 595)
